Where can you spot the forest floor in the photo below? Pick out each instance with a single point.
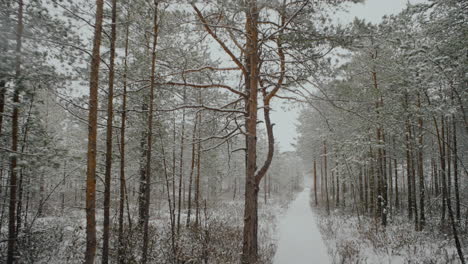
(300, 240)
(60, 237)
(350, 239)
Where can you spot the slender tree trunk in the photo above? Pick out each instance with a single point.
(333, 185)
(265, 190)
(197, 179)
(109, 130)
(325, 176)
(413, 179)
(92, 138)
(174, 139)
(395, 165)
(181, 164)
(372, 203)
(390, 187)
(23, 149)
(458, 245)
(169, 202)
(366, 188)
(441, 143)
(2, 102)
(144, 259)
(408, 170)
(121, 253)
(321, 181)
(361, 186)
(337, 198)
(384, 179)
(435, 177)
(448, 156)
(143, 176)
(3, 79)
(455, 170)
(315, 182)
(192, 169)
(422, 189)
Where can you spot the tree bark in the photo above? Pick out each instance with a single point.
(121, 253)
(192, 169)
(92, 138)
(197, 179)
(12, 235)
(422, 189)
(337, 198)
(441, 143)
(455, 170)
(144, 259)
(181, 164)
(250, 246)
(109, 130)
(315, 182)
(2, 102)
(325, 176)
(408, 169)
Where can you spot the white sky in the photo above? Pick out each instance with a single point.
(285, 119)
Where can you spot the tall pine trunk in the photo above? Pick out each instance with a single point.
(92, 139)
(123, 188)
(250, 242)
(147, 194)
(12, 235)
(109, 130)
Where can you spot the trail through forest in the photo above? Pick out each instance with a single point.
(300, 240)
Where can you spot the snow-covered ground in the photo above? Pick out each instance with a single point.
(352, 240)
(300, 240)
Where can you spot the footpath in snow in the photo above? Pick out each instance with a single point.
(300, 241)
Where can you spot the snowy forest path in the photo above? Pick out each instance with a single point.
(300, 241)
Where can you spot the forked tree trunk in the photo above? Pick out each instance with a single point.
(92, 138)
